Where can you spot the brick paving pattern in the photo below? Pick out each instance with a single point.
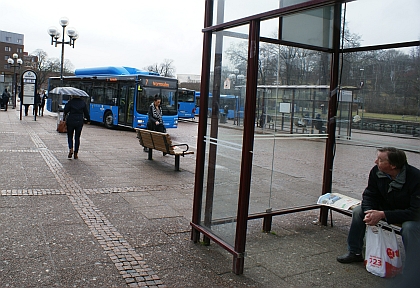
(129, 263)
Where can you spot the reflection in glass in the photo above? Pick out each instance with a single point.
(223, 145)
(312, 27)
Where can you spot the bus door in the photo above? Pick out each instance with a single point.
(126, 105)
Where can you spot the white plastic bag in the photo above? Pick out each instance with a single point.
(382, 257)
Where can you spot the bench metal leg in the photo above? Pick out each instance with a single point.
(176, 162)
(150, 154)
(323, 216)
(267, 220)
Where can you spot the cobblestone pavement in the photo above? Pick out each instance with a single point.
(128, 262)
(114, 219)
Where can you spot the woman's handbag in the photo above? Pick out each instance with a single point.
(62, 127)
(382, 257)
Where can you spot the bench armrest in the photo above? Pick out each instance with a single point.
(183, 151)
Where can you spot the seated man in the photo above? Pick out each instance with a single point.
(392, 195)
(319, 125)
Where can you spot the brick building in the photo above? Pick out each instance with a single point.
(11, 43)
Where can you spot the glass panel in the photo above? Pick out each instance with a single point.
(270, 28)
(385, 112)
(394, 21)
(292, 97)
(236, 9)
(224, 138)
(287, 171)
(292, 108)
(385, 98)
(287, 166)
(312, 27)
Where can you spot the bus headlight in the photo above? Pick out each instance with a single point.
(140, 121)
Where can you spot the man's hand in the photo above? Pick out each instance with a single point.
(372, 217)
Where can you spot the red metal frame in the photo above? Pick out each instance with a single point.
(238, 251)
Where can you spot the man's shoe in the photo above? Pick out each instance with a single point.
(350, 257)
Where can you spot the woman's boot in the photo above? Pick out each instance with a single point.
(70, 153)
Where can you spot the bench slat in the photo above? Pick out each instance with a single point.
(161, 142)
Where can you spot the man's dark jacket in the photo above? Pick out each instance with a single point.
(399, 202)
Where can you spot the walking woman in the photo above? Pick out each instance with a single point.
(75, 112)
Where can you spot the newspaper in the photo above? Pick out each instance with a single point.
(338, 201)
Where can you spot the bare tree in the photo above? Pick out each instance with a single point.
(41, 67)
(47, 67)
(165, 68)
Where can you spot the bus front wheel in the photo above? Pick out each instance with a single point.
(108, 120)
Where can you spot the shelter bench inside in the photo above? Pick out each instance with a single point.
(162, 142)
(267, 216)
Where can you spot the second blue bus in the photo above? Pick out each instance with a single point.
(230, 102)
(186, 103)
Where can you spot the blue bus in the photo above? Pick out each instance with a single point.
(186, 103)
(231, 102)
(121, 96)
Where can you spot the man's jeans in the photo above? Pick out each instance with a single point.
(410, 234)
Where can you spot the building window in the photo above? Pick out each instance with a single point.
(19, 41)
(6, 57)
(6, 66)
(7, 48)
(19, 50)
(8, 39)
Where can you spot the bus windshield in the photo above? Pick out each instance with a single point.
(186, 96)
(148, 95)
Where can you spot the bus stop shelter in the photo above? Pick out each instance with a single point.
(232, 184)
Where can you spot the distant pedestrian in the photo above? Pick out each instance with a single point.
(5, 98)
(26, 105)
(44, 98)
(75, 111)
(318, 124)
(37, 103)
(26, 109)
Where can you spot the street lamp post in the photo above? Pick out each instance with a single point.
(55, 35)
(11, 62)
(362, 83)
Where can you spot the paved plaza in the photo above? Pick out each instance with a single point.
(112, 218)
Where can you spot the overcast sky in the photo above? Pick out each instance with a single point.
(113, 33)
(140, 33)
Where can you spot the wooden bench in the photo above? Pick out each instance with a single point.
(161, 142)
(268, 215)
